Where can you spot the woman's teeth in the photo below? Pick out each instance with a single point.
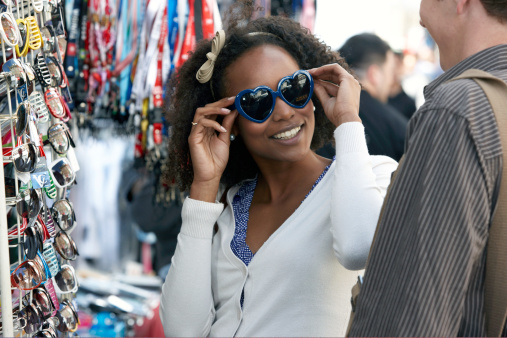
(288, 134)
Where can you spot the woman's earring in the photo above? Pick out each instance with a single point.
(313, 108)
(232, 137)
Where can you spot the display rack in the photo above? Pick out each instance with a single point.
(38, 15)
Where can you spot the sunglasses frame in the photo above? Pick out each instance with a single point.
(274, 95)
(55, 181)
(73, 273)
(37, 272)
(3, 36)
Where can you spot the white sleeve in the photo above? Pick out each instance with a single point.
(187, 308)
(360, 185)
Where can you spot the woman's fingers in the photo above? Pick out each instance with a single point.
(321, 92)
(330, 88)
(204, 123)
(227, 124)
(333, 73)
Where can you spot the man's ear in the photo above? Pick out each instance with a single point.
(372, 74)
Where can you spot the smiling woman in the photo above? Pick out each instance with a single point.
(275, 256)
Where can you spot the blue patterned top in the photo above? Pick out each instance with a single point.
(241, 206)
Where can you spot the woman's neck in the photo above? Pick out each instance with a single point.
(281, 180)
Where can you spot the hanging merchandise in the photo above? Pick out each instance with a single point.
(37, 284)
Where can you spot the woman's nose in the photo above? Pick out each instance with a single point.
(282, 110)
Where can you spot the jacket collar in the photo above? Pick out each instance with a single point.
(491, 59)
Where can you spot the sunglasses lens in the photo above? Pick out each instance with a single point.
(33, 319)
(24, 157)
(43, 301)
(257, 105)
(65, 246)
(65, 279)
(22, 120)
(9, 30)
(63, 173)
(68, 320)
(23, 30)
(63, 214)
(28, 204)
(26, 277)
(54, 70)
(297, 90)
(58, 139)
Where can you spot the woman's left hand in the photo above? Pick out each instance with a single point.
(339, 93)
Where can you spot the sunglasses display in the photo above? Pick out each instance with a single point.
(36, 142)
(257, 104)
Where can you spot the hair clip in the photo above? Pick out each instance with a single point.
(205, 73)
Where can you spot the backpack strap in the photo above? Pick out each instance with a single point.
(495, 298)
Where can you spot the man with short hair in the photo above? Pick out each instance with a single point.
(374, 64)
(426, 272)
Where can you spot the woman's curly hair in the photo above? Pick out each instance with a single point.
(186, 94)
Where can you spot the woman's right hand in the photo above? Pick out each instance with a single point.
(209, 150)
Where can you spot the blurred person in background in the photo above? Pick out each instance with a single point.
(374, 63)
(398, 98)
(426, 273)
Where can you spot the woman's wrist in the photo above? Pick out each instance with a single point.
(204, 191)
(347, 118)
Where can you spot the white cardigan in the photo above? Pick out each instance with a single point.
(297, 284)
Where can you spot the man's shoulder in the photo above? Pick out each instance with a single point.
(463, 97)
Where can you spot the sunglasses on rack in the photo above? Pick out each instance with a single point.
(258, 104)
(59, 138)
(63, 214)
(68, 317)
(65, 246)
(62, 173)
(52, 261)
(65, 281)
(32, 243)
(33, 318)
(38, 104)
(57, 106)
(42, 71)
(22, 117)
(9, 31)
(28, 203)
(30, 274)
(22, 46)
(42, 300)
(23, 156)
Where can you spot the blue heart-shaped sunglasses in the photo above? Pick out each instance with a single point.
(258, 104)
